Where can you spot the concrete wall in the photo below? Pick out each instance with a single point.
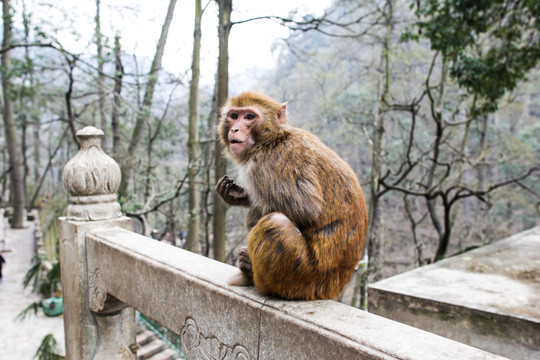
(188, 294)
(488, 298)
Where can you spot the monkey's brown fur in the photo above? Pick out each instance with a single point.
(307, 215)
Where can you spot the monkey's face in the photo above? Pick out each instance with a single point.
(241, 123)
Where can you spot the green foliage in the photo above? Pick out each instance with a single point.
(46, 283)
(48, 349)
(34, 273)
(30, 309)
(491, 44)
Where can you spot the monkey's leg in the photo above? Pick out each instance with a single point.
(281, 259)
(244, 264)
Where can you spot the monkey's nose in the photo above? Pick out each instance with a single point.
(234, 130)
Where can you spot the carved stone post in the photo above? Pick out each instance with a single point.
(91, 179)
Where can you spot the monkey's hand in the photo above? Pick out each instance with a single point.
(232, 193)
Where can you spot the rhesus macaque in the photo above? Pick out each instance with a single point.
(307, 219)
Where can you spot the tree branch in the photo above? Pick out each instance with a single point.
(156, 207)
(49, 164)
(317, 24)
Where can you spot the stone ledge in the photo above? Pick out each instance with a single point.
(488, 297)
(188, 294)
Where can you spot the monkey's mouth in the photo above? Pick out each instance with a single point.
(236, 141)
(237, 146)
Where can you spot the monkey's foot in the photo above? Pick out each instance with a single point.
(244, 264)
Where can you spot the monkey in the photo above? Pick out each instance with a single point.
(307, 215)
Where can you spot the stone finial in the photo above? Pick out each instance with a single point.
(92, 177)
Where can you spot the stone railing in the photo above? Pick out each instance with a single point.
(108, 271)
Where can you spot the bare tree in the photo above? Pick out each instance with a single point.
(143, 113)
(434, 174)
(373, 241)
(418, 245)
(192, 243)
(115, 117)
(68, 96)
(41, 180)
(209, 149)
(220, 209)
(35, 120)
(100, 74)
(15, 161)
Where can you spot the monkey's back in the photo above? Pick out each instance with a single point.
(319, 193)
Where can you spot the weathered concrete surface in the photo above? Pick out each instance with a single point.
(188, 294)
(488, 298)
(81, 324)
(91, 178)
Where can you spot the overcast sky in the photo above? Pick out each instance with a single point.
(139, 24)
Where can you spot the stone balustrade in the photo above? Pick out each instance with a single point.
(108, 271)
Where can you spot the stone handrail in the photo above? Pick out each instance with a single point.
(108, 270)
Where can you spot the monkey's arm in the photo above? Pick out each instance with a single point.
(304, 204)
(295, 191)
(232, 193)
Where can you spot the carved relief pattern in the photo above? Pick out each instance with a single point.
(91, 171)
(92, 178)
(97, 291)
(198, 346)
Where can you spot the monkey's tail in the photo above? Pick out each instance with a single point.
(239, 279)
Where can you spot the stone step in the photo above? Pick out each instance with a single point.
(144, 337)
(148, 349)
(167, 354)
(154, 347)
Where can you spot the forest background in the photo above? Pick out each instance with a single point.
(434, 104)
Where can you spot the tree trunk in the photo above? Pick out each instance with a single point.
(444, 238)
(37, 147)
(192, 243)
(26, 101)
(34, 119)
(144, 112)
(482, 150)
(149, 167)
(373, 243)
(220, 210)
(372, 270)
(431, 203)
(15, 163)
(26, 171)
(208, 162)
(414, 224)
(115, 117)
(68, 97)
(101, 77)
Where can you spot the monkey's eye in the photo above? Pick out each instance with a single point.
(250, 116)
(234, 116)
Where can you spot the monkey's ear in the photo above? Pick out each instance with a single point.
(282, 114)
